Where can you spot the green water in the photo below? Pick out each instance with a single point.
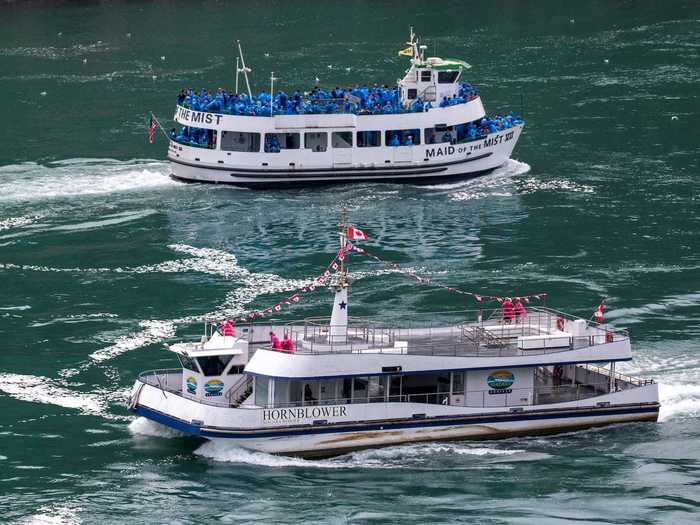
(103, 257)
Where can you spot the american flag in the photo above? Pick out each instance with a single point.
(151, 130)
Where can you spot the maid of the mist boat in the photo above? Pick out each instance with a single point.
(430, 126)
(351, 384)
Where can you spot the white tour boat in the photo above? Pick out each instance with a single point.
(347, 384)
(430, 126)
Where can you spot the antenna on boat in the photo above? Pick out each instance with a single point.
(272, 89)
(245, 70)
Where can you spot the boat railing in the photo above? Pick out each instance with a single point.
(619, 378)
(167, 379)
(482, 332)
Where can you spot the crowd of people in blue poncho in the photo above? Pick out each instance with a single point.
(358, 100)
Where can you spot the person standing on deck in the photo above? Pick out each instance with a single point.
(520, 311)
(226, 329)
(507, 310)
(287, 344)
(275, 342)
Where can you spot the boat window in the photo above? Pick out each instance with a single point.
(310, 392)
(240, 141)
(426, 388)
(439, 134)
(316, 141)
(261, 384)
(274, 142)
(376, 389)
(402, 137)
(447, 77)
(369, 139)
(341, 139)
(213, 365)
(359, 391)
(425, 75)
(394, 388)
(282, 392)
(346, 391)
(458, 383)
(411, 94)
(236, 369)
(188, 363)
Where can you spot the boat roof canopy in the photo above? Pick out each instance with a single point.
(446, 64)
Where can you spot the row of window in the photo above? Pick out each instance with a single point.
(419, 388)
(443, 77)
(318, 141)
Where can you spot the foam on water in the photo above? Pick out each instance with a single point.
(146, 427)
(664, 306)
(152, 331)
(679, 400)
(393, 457)
(511, 168)
(38, 389)
(16, 222)
(32, 182)
(56, 514)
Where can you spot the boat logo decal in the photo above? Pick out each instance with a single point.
(500, 381)
(191, 383)
(213, 387)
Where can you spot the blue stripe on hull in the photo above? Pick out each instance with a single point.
(189, 428)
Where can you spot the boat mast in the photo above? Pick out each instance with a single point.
(339, 317)
(244, 69)
(272, 89)
(238, 59)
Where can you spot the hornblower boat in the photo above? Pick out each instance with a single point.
(349, 383)
(430, 126)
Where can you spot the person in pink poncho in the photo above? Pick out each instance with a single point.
(507, 310)
(520, 311)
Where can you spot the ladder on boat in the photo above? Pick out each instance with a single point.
(239, 392)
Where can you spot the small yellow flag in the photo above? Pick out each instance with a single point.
(408, 52)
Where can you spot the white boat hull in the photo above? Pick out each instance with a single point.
(367, 428)
(424, 164)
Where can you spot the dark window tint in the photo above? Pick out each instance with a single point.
(412, 94)
(188, 363)
(425, 76)
(447, 77)
(369, 139)
(240, 141)
(213, 365)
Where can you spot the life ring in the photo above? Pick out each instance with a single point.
(560, 324)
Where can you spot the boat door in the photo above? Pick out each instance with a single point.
(341, 143)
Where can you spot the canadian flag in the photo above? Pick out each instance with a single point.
(354, 234)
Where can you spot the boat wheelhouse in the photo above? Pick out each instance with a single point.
(431, 126)
(345, 384)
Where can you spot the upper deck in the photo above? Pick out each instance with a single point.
(483, 333)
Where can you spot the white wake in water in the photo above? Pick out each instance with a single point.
(80, 177)
(145, 427)
(38, 389)
(395, 457)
